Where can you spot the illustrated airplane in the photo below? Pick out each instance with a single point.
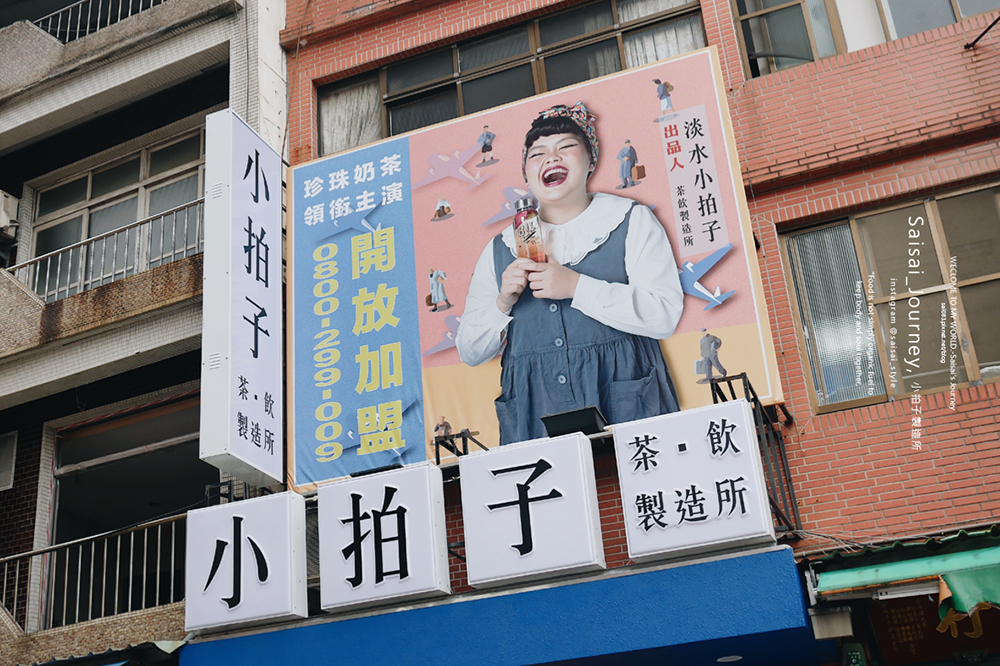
(510, 195)
(452, 166)
(691, 273)
(447, 338)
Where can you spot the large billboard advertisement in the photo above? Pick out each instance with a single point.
(402, 255)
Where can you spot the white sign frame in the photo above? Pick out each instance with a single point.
(275, 527)
(650, 467)
(242, 409)
(562, 543)
(420, 488)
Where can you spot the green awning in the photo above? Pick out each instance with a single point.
(972, 575)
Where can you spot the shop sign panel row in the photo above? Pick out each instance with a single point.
(690, 482)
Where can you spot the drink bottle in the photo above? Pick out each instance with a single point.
(528, 231)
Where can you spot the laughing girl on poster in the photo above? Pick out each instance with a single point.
(587, 332)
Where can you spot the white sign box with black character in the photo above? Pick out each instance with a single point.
(241, 381)
(246, 562)
(692, 482)
(383, 537)
(530, 511)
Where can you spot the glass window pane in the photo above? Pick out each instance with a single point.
(972, 226)
(425, 111)
(58, 276)
(111, 257)
(916, 328)
(175, 155)
(819, 20)
(496, 89)
(900, 250)
(828, 286)
(780, 38)
(62, 196)
(575, 23)
(664, 40)
(973, 7)
(630, 10)
(582, 64)
(173, 195)
(115, 178)
(983, 315)
(112, 217)
(750, 6)
(411, 73)
(59, 236)
(907, 17)
(493, 49)
(180, 228)
(349, 115)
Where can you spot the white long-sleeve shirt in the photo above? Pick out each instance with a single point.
(649, 305)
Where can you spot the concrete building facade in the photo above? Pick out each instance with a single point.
(102, 117)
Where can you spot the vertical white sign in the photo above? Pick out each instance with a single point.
(241, 377)
(692, 482)
(530, 511)
(383, 537)
(246, 562)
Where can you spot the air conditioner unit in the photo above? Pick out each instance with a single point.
(8, 216)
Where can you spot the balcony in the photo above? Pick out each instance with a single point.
(120, 253)
(88, 16)
(87, 579)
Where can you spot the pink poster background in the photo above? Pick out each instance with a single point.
(626, 106)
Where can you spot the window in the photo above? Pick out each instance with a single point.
(99, 201)
(8, 451)
(900, 300)
(548, 53)
(777, 34)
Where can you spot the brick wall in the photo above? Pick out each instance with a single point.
(855, 472)
(17, 505)
(358, 47)
(895, 121)
(870, 106)
(164, 623)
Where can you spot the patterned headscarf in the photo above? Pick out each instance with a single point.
(581, 116)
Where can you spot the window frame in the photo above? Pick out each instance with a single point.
(836, 28)
(831, 11)
(535, 57)
(139, 189)
(13, 457)
(942, 256)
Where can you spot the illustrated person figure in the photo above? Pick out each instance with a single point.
(710, 355)
(486, 141)
(438, 296)
(441, 209)
(663, 90)
(628, 159)
(583, 328)
(442, 429)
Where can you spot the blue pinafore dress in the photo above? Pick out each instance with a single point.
(558, 358)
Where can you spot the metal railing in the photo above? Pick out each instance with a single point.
(117, 254)
(780, 491)
(87, 16)
(129, 570)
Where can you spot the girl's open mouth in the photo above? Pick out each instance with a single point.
(554, 176)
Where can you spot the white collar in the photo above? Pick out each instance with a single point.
(569, 243)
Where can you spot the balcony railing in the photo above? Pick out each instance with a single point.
(777, 475)
(87, 16)
(117, 254)
(129, 570)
